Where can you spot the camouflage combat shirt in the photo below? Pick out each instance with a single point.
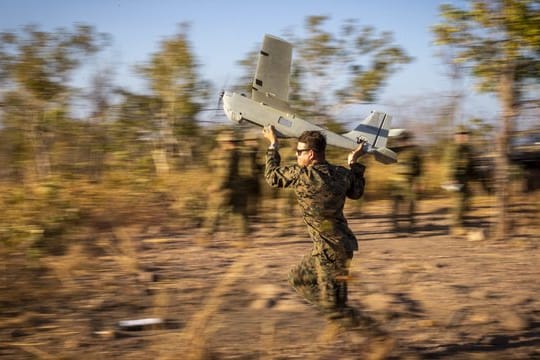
(321, 190)
(461, 163)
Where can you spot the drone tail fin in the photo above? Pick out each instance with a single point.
(384, 155)
(374, 129)
(271, 81)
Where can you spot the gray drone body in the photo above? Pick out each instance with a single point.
(269, 105)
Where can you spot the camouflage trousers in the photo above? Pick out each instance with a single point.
(462, 206)
(322, 279)
(223, 211)
(404, 200)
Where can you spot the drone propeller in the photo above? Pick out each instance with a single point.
(213, 117)
(218, 107)
(221, 93)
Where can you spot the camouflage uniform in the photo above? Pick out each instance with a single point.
(251, 170)
(405, 184)
(286, 208)
(225, 199)
(461, 172)
(321, 190)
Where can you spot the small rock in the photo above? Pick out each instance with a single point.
(141, 324)
(419, 337)
(425, 323)
(261, 304)
(476, 235)
(146, 276)
(478, 294)
(511, 321)
(148, 323)
(103, 334)
(377, 301)
(480, 318)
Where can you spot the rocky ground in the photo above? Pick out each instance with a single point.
(439, 296)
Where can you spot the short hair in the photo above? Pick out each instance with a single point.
(314, 140)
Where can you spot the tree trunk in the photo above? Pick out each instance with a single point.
(38, 142)
(506, 97)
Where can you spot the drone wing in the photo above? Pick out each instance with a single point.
(271, 81)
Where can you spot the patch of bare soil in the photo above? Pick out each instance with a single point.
(439, 296)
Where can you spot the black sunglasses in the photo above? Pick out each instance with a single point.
(300, 151)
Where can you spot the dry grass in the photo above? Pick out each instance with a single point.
(78, 256)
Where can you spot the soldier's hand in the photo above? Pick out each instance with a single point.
(270, 134)
(356, 153)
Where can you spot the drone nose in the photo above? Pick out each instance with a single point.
(232, 115)
(229, 108)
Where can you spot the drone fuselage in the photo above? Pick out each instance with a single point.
(240, 108)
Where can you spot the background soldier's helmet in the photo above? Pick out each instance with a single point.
(250, 135)
(226, 136)
(461, 129)
(405, 135)
(401, 136)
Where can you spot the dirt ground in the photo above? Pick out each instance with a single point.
(438, 295)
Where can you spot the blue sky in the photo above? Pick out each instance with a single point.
(222, 32)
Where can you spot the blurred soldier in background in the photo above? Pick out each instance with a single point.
(405, 182)
(461, 172)
(251, 175)
(225, 201)
(287, 213)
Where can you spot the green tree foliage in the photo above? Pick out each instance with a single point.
(175, 84)
(328, 68)
(174, 81)
(350, 67)
(42, 149)
(40, 62)
(35, 69)
(134, 133)
(249, 65)
(498, 42)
